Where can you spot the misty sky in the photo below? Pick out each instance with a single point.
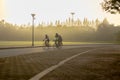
(18, 11)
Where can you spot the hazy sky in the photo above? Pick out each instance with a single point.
(18, 11)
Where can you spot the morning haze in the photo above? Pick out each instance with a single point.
(18, 11)
(72, 19)
(59, 40)
(71, 30)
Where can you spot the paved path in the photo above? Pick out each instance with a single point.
(48, 70)
(20, 51)
(24, 67)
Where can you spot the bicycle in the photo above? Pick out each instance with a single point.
(46, 44)
(57, 44)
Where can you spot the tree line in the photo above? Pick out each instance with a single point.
(99, 31)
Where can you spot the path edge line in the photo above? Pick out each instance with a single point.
(46, 71)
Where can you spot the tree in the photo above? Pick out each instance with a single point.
(78, 22)
(112, 6)
(97, 22)
(85, 22)
(105, 22)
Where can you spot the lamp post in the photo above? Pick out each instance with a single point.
(72, 13)
(33, 18)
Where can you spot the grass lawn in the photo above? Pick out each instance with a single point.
(40, 43)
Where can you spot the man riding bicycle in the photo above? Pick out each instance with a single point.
(46, 40)
(58, 40)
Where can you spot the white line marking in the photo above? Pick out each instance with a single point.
(46, 71)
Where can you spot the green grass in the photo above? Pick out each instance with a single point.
(18, 43)
(77, 43)
(40, 43)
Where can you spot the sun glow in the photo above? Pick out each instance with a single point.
(19, 11)
(2, 9)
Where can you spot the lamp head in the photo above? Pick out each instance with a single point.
(32, 15)
(72, 13)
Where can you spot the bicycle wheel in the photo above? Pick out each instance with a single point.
(46, 45)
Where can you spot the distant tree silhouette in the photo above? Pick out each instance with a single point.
(104, 32)
(105, 22)
(85, 22)
(58, 23)
(78, 22)
(97, 22)
(112, 6)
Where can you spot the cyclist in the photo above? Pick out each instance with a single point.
(58, 40)
(46, 40)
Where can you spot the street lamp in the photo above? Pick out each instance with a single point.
(72, 13)
(33, 18)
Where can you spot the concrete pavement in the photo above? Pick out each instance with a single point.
(19, 51)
